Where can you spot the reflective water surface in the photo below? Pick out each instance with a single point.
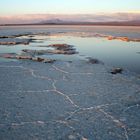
(112, 52)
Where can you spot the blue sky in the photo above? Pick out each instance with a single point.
(27, 11)
(8, 7)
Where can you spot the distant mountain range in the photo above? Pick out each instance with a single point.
(62, 22)
(117, 23)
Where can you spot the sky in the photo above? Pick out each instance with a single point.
(16, 11)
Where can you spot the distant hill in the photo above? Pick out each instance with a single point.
(52, 21)
(62, 22)
(113, 23)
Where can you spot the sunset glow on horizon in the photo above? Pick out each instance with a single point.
(91, 10)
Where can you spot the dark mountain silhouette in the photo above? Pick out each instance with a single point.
(115, 23)
(52, 21)
(64, 22)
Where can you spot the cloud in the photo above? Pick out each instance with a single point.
(100, 17)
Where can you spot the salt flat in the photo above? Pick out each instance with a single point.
(67, 100)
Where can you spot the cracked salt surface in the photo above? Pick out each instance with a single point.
(67, 100)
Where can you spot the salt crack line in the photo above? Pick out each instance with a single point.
(33, 91)
(72, 114)
(74, 73)
(40, 122)
(53, 85)
(32, 71)
(60, 70)
(83, 73)
(99, 106)
(118, 122)
(61, 93)
(23, 123)
(130, 107)
(89, 108)
(69, 126)
(67, 97)
(5, 66)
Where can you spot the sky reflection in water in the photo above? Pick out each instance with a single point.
(114, 52)
(111, 52)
